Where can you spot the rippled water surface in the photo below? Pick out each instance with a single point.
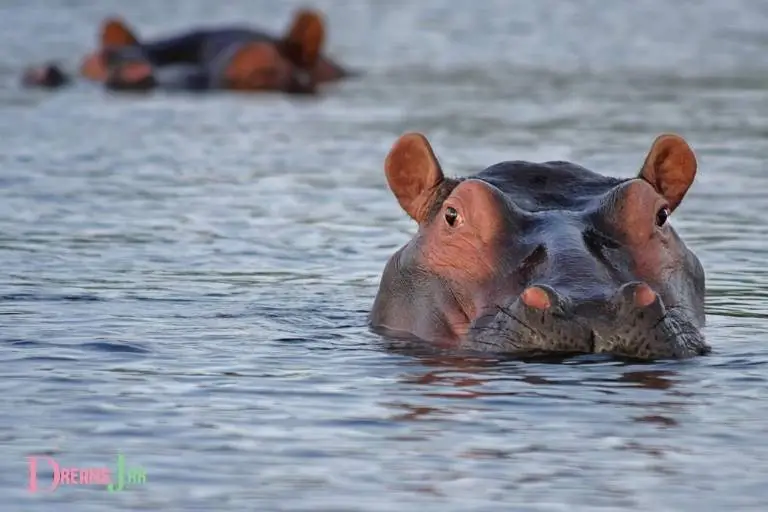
(185, 280)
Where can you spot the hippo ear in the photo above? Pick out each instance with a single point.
(670, 167)
(413, 174)
(115, 32)
(303, 41)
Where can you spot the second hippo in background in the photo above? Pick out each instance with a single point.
(212, 51)
(544, 258)
(226, 58)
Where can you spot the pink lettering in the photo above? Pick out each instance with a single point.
(102, 476)
(67, 476)
(33, 473)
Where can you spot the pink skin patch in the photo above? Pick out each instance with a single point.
(644, 296)
(536, 298)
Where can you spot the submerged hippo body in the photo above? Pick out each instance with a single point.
(536, 258)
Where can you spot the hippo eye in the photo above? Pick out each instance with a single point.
(662, 216)
(451, 215)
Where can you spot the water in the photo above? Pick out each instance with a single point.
(185, 280)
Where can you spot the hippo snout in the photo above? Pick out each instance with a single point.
(632, 322)
(631, 299)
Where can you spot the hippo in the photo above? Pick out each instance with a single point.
(543, 259)
(230, 58)
(203, 49)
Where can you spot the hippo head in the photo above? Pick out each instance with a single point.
(259, 66)
(286, 65)
(542, 258)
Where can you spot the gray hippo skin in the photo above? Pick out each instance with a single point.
(541, 258)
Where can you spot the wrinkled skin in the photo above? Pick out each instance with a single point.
(544, 258)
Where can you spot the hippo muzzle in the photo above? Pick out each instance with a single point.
(633, 323)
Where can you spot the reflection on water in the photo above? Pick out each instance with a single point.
(467, 389)
(186, 280)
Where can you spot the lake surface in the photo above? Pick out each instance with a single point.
(185, 280)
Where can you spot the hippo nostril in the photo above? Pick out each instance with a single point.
(537, 297)
(633, 295)
(644, 296)
(639, 298)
